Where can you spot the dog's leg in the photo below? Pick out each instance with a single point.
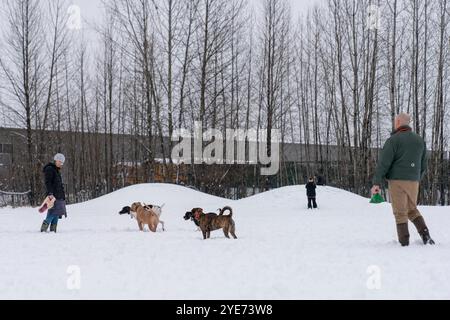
(162, 223)
(232, 230)
(141, 227)
(204, 235)
(225, 232)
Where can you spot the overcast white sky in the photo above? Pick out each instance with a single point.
(90, 9)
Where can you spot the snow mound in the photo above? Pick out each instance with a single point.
(327, 197)
(150, 193)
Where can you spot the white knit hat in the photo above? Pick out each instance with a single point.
(59, 157)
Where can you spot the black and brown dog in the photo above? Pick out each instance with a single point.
(210, 221)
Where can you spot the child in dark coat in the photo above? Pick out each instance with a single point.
(311, 194)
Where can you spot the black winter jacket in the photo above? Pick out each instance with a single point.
(311, 189)
(53, 182)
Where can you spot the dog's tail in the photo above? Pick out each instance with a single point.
(225, 209)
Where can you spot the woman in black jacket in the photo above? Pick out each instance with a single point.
(54, 188)
(311, 193)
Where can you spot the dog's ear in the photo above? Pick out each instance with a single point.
(135, 205)
(195, 210)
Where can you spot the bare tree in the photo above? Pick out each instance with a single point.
(22, 66)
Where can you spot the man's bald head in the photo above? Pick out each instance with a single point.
(403, 119)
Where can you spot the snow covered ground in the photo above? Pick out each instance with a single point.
(345, 250)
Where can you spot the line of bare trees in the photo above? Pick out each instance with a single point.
(335, 75)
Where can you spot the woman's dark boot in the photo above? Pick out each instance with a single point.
(53, 227)
(424, 233)
(403, 234)
(44, 226)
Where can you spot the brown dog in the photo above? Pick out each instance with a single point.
(210, 221)
(144, 215)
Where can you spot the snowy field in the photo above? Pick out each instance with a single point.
(345, 250)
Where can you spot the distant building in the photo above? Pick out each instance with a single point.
(131, 165)
(6, 151)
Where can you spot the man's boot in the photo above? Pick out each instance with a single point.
(53, 227)
(424, 233)
(403, 234)
(44, 226)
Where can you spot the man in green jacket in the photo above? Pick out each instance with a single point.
(402, 163)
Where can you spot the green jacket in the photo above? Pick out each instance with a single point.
(404, 157)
